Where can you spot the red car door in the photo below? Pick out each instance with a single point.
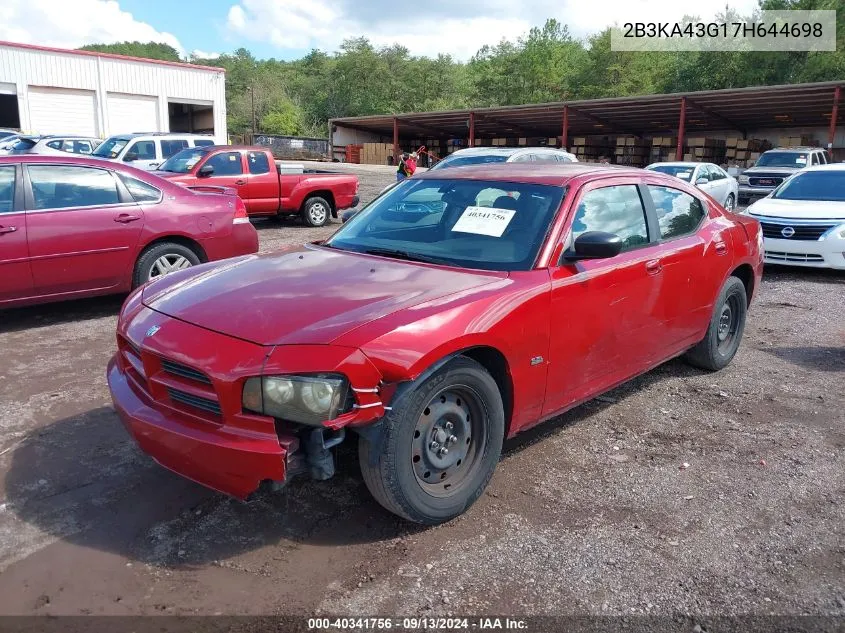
(15, 273)
(83, 229)
(224, 169)
(263, 184)
(695, 257)
(605, 313)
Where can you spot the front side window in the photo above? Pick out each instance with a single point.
(716, 173)
(81, 147)
(678, 213)
(169, 147)
(488, 225)
(226, 164)
(7, 188)
(618, 210)
(61, 187)
(258, 163)
(141, 150)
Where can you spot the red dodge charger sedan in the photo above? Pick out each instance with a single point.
(74, 227)
(457, 309)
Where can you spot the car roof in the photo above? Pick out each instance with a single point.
(502, 151)
(163, 134)
(829, 167)
(681, 163)
(540, 173)
(793, 149)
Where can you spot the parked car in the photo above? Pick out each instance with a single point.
(264, 186)
(486, 155)
(775, 166)
(432, 327)
(55, 145)
(708, 177)
(8, 142)
(804, 219)
(74, 227)
(148, 151)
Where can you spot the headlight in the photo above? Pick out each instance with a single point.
(304, 399)
(743, 180)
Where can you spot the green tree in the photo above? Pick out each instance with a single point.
(147, 50)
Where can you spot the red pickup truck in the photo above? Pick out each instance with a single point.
(261, 184)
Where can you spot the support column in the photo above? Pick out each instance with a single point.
(565, 135)
(395, 141)
(834, 114)
(472, 129)
(679, 150)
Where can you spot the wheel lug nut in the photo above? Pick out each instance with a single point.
(435, 445)
(452, 439)
(443, 451)
(449, 426)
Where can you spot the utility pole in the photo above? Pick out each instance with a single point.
(252, 96)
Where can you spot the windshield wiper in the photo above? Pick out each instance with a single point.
(411, 257)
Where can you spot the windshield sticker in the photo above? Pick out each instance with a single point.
(484, 221)
(192, 161)
(801, 160)
(684, 175)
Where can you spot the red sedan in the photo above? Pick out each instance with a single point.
(457, 309)
(76, 227)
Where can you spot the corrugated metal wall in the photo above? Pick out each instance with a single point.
(27, 67)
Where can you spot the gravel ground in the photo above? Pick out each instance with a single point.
(680, 492)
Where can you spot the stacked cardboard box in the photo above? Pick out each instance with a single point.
(663, 149)
(744, 152)
(631, 150)
(706, 150)
(376, 153)
(797, 141)
(591, 148)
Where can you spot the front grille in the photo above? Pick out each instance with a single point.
(806, 232)
(183, 371)
(771, 180)
(197, 402)
(793, 257)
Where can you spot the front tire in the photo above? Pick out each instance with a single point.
(441, 443)
(316, 211)
(162, 259)
(724, 333)
(730, 203)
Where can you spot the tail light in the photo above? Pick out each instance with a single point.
(241, 216)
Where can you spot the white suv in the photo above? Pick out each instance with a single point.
(148, 151)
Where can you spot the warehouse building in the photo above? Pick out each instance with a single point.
(56, 91)
(725, 126)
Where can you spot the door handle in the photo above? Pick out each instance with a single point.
(721, 248)
(653, 266)
(8, 229)
(125, 218)
(240, 182)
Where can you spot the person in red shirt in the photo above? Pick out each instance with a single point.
(411, 164)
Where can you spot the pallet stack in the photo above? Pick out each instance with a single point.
(705, 150)
(376, 153)
(744, 152)
(591, 148)
(663, 149)
(631, 151)
(797, 141)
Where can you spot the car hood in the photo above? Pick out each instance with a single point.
(308, 295)
(786, 171)
(798, 209)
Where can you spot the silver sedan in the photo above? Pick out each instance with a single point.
(708, 177)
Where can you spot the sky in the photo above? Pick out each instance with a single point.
(289, 29)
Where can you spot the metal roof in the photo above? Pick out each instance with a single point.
(741, 109)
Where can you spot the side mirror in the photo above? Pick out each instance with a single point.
(205, 171)
(701, 181)
(129, 157)
(594, 245)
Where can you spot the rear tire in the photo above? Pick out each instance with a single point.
(730, 203)
(724, 333)
(160, 259)
(441, 443)
(316, 211)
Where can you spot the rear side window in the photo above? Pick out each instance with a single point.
(141, 191)
(55, 145)
(7, 188)
(618, 210)
(203, 143)
(678, 213)
(258, 163)
(62, 187)
(142, 150)
(169, 147)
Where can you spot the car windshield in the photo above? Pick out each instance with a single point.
(463, 161)
(684, 172)
(184, 161)
(488, 225)
(813, 185)
(111, 147)
(782, 159)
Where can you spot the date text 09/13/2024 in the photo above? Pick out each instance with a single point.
(417, 624)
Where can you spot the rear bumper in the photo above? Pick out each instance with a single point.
(226, 462)
(243, 240)
(346, 201)
(827, 253)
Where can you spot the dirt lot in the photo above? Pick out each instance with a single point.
(681, 492)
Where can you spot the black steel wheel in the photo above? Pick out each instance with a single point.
(441, 443)
(724, 334)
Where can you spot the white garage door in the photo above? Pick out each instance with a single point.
(60, 111)
(132, 113)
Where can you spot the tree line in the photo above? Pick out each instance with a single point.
(547, 64)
